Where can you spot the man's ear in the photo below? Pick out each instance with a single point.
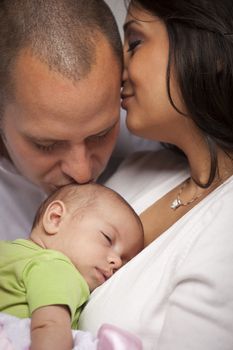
(53, 216)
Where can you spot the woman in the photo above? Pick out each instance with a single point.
(178, 89)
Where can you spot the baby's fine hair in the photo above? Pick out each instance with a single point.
(81, 197)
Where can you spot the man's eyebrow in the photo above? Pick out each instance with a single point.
(45, 139)
(42, 139)
(107, 129)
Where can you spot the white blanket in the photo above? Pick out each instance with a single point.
(15, 335)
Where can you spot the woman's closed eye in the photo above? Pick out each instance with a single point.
(133, 38)
(133, 44)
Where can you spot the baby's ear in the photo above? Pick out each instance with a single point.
(53, 216)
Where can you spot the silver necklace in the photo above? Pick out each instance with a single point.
(177, 202)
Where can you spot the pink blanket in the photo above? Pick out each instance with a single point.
(15, 335)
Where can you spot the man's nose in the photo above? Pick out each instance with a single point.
(77, 164)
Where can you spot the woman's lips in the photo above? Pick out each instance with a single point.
(125, 98)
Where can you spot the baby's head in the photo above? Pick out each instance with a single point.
(93, 226)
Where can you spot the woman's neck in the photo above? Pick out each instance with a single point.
(196, 148)
(199, 158)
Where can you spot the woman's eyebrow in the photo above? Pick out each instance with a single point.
(128, 24)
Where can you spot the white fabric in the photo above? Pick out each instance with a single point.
(19, 202)
(15, 335)
(178, 292)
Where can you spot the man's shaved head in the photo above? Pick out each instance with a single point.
(62, 33)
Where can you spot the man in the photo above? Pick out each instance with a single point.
(60, 73)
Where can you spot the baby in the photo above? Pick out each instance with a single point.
(81, 236)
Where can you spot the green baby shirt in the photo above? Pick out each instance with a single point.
(32, 277)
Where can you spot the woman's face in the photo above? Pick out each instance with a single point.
(144, 93)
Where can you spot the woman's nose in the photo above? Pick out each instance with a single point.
(78, 165)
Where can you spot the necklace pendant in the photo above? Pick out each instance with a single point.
(176, 204)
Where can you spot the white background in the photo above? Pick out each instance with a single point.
(119, 10)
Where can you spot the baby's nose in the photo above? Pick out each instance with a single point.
(115, 262)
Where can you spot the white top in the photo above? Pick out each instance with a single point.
(178, 292)
(19, 202)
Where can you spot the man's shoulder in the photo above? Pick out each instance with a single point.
(20, 200)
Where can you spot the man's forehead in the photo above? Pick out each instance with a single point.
(34, 81)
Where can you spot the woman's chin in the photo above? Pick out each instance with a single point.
(134, 125)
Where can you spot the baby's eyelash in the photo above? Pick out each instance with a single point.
(107, 237)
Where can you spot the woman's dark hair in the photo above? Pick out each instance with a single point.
(201, 51)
